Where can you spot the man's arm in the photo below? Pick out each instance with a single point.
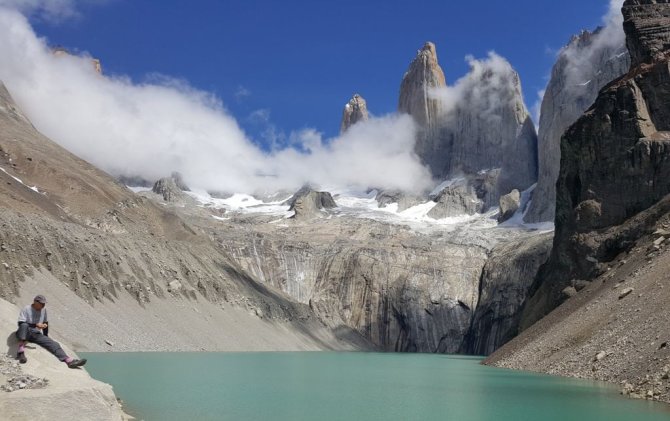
(45, 329)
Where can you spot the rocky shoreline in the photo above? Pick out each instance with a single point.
(45, 388)
(614, 329)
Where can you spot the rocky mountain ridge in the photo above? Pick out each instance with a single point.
(613, 163)
(612, 214)
(337, 281)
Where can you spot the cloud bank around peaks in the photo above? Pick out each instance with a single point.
(609, 37)
(489, 86)
(579, 57)
(161, 125)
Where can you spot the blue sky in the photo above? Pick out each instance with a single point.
(298, 62)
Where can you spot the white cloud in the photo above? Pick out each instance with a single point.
(536, 109)
(580, 59)
(241, 93)
(488, 85)
(52, 10)
(161, 125)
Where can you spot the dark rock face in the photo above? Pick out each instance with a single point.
(590, 61)
(615, 162)
(487, 127)
(354, 111)
(647, 26)
(506, 279)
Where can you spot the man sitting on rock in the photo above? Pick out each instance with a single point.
(34, 327)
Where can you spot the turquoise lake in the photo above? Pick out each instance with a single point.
(351, 386)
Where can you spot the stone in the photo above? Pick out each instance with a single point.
(569, 292)
(625, 293)
(174, 286)
(307, 203)
(457, 199)
(355, 110)
(600, 356)
(404, 200)
(580, 284)
(659, 241)
(509, 205)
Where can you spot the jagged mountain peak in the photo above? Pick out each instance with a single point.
(354, 111)
(429, 51)
(424, 73)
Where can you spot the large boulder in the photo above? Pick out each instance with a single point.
(457, 199)
(509, 205)
(307, 203)
(404, 200)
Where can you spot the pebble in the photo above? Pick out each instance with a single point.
(625, 293)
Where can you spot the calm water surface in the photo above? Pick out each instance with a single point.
(351, 386)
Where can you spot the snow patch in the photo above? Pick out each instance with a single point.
(445, 184)
(240, 202)
(138, 189)
(33, 188)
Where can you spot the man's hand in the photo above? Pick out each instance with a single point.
(41, 325)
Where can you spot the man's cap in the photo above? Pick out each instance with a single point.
(40, 299)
